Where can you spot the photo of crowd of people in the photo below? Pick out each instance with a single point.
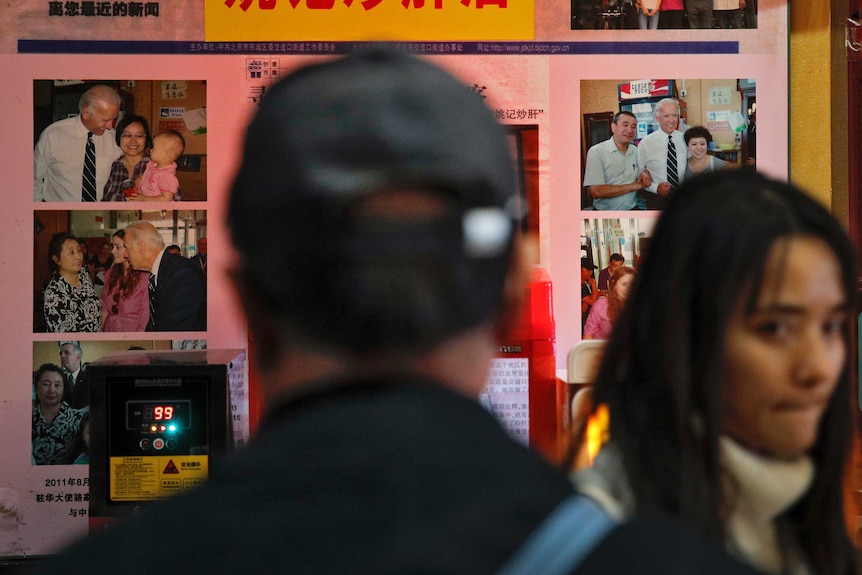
(642, 139)
(663, 14)
(138, 278)
(119, 140)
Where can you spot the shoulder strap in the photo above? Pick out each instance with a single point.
(563, 540)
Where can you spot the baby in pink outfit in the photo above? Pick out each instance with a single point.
(159, 181)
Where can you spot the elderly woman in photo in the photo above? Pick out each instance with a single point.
(55, 424)
(728, 377)
(70, 300)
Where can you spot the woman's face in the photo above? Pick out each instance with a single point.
(783, 361)
(623, 286)
(49, 389)
(133, 140)
(71, 259)
(697, 147)
(118, 250)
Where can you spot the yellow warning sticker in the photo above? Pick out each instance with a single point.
(155, 477)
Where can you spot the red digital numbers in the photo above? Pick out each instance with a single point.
(163, 412)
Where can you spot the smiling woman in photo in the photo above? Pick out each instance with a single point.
(134, 138)
(697, 140)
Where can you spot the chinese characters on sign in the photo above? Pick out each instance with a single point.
(174, 90)
(263, 69)
(92, 8)
(57, 493)
(366, 4)
(720, 95)
(517, 114)
(367, 20)
(644, 89)
(508, 393)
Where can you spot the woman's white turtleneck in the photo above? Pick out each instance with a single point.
(759, 488)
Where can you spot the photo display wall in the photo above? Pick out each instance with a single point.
(570, 78)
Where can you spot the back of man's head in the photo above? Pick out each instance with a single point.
(147, 233)
(375, 206)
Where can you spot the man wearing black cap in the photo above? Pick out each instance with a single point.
(379, 266)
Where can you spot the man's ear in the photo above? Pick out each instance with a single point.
(261, 324)
(525, 251)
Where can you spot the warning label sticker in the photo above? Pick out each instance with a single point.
(148, 478)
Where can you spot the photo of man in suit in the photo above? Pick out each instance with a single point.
(178, 300)
(76, 387)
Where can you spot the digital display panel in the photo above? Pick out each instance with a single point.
(142, 415)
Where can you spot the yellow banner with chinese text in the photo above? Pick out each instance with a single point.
(367, 20)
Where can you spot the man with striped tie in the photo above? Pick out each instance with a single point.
(664, 154)
(73, 156)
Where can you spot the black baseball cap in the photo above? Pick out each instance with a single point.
(333, 133)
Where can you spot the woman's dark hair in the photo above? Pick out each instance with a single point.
(131, 119)
(43, 369)
(55, 248)
(697, 132)
(123, 278)
(663, 369)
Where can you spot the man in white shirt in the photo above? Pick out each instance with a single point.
(58, 160)
(653, 154)
(612, 174)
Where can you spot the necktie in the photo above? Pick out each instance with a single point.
(88, 190)
(152, 286)
(672, 173)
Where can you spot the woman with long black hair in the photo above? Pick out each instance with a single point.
(728, 378)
